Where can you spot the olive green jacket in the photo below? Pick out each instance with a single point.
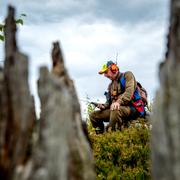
(116, 93)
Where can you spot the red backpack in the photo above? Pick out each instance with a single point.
(143, 93)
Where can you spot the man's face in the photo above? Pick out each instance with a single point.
(109, 74)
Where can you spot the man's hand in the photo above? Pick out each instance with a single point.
(101, 106)
(115, 106)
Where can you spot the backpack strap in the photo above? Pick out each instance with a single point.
(136, 101)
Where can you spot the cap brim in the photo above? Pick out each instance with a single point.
(102, 71)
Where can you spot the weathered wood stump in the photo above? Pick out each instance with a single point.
(60, 150)
(63, 150)
(17, 106)
(166, 119)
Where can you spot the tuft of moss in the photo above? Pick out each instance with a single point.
(123, 154)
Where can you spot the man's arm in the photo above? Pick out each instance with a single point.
(130, 87)
(106, 105)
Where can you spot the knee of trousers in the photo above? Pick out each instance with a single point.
(95, 121)
(115, 114)
(92, 116)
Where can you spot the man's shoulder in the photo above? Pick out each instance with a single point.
(128, 74)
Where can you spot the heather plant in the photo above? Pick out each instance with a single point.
(122, 154)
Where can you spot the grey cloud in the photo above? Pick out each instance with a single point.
(128, 12)
(49, 10)
(117, 11)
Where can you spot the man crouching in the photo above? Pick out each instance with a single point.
(124, 99)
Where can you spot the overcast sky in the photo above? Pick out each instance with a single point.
(92, 32)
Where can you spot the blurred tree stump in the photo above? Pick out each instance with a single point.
(166, 119)
(60, 150)
(17, 106)
(63, 152)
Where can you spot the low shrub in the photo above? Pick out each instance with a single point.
(122, 154)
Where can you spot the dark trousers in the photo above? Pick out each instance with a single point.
(112, 116)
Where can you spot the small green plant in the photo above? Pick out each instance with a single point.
(2, 31)
(20, 19)
(90, 108)
(17, 21)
